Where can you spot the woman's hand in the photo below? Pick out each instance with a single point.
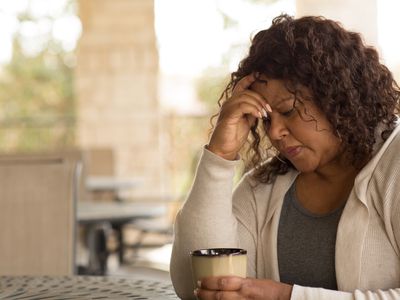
(232, 287)
(235, 119)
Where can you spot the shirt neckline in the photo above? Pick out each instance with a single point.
(296, 203)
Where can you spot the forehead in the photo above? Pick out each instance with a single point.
(274, 90)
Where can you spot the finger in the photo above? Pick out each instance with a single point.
(240, 105)
(261, 102)
(222, 283)
(242, 109)
(218, 295)
(251, 120)
(244, 83)
(261, 111)
(254, 95)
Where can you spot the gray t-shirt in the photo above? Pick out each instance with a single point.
(306, 244)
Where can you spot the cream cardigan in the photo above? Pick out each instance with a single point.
(368, 237)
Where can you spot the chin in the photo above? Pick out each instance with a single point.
(304, 168)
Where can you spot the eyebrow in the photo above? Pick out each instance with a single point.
(284, 99)
(287, 98)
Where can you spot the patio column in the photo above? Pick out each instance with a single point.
(116, 86)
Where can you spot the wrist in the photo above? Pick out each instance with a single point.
(287, 292)
(227, 156)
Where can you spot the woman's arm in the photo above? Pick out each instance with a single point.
(208, 219)
(264, 289)
(205, 220)
(301, 293)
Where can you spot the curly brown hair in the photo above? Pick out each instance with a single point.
(349, 85)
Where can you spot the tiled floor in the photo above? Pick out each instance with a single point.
(158, 257)
(149, 264)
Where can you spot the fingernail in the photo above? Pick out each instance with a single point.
(259, 115)
(264, 112)
(198, 283)
(268, 107)
(196, 292)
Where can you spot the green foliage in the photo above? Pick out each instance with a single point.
(36, 98)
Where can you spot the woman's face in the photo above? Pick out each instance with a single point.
(302, 134)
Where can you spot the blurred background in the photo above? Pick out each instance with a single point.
(133, 83)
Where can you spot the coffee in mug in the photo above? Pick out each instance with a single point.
(218, 262)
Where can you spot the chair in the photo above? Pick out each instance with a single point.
(100, 162)
(38, 195)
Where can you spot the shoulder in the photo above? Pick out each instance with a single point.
(248, 181)
(386, 151)
(259, 191)
(390, 148)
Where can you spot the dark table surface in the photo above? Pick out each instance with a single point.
(83, 287)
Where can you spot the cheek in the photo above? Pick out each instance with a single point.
(328, 147)
(321, 145)
(316, 133)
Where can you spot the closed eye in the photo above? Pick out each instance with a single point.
(267, 120)
(288, 113)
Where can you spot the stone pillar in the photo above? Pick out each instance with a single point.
(116, 86)
(356, 15)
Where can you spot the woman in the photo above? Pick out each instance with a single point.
(320, 215)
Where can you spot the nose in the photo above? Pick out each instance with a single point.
(277, 128)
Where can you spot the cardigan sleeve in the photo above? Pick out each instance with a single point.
(245, 211)
(206, 219)
(305, 293)
(394, 208)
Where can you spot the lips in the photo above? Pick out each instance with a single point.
(291, 151)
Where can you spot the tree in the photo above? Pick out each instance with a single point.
(36, 96)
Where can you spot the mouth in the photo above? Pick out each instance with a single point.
(291, 152)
